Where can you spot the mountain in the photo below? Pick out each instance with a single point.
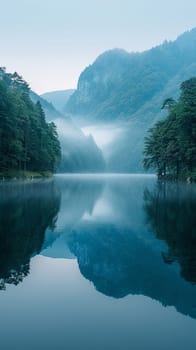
(58, 98)
(49, 110)
(119, 84)
(126, 91)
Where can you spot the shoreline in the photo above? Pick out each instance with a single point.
(24, 175)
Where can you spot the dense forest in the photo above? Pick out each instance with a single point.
(27, 141)
(170, 147)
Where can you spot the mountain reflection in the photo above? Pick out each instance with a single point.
(119, 263)
(171, 214)
(120, 255)
(128, 234)
(26, 211)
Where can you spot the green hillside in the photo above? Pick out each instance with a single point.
(119, 85)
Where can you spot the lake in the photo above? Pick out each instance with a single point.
(97, 262)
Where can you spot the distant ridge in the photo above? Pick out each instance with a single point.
(49, 109)
(58, 98)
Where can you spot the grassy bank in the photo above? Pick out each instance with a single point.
(13, 174)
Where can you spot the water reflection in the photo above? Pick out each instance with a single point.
(128, 235)
(119, 263)
(78, 198)
(117, 250)
(170, 211)
(26, 211)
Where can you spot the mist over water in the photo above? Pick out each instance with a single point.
(101, 255)
(94, 256)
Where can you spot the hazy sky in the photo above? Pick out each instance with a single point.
(50, 42)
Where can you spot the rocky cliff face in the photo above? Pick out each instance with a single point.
(119, 84)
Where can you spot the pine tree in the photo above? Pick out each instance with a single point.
(27, 141)
(170, 147)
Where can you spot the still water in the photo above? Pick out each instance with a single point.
(97, 262)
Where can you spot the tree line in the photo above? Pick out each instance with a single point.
(170, 147)
(27, 141)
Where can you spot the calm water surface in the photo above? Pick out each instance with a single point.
(97, 262)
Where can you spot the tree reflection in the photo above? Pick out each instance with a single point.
(119, 263)
(26, 211)
(170, 211)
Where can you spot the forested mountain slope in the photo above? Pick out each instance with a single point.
(120, 84)
(126, 91)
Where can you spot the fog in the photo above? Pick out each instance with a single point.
(122, 144)
(80, 154)
(119, 145)
(104, 134)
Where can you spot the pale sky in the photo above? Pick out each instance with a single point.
(50, 42)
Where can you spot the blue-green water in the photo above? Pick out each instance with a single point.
(97, 262)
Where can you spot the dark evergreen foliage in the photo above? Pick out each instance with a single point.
(27, 141)
(170, 147)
